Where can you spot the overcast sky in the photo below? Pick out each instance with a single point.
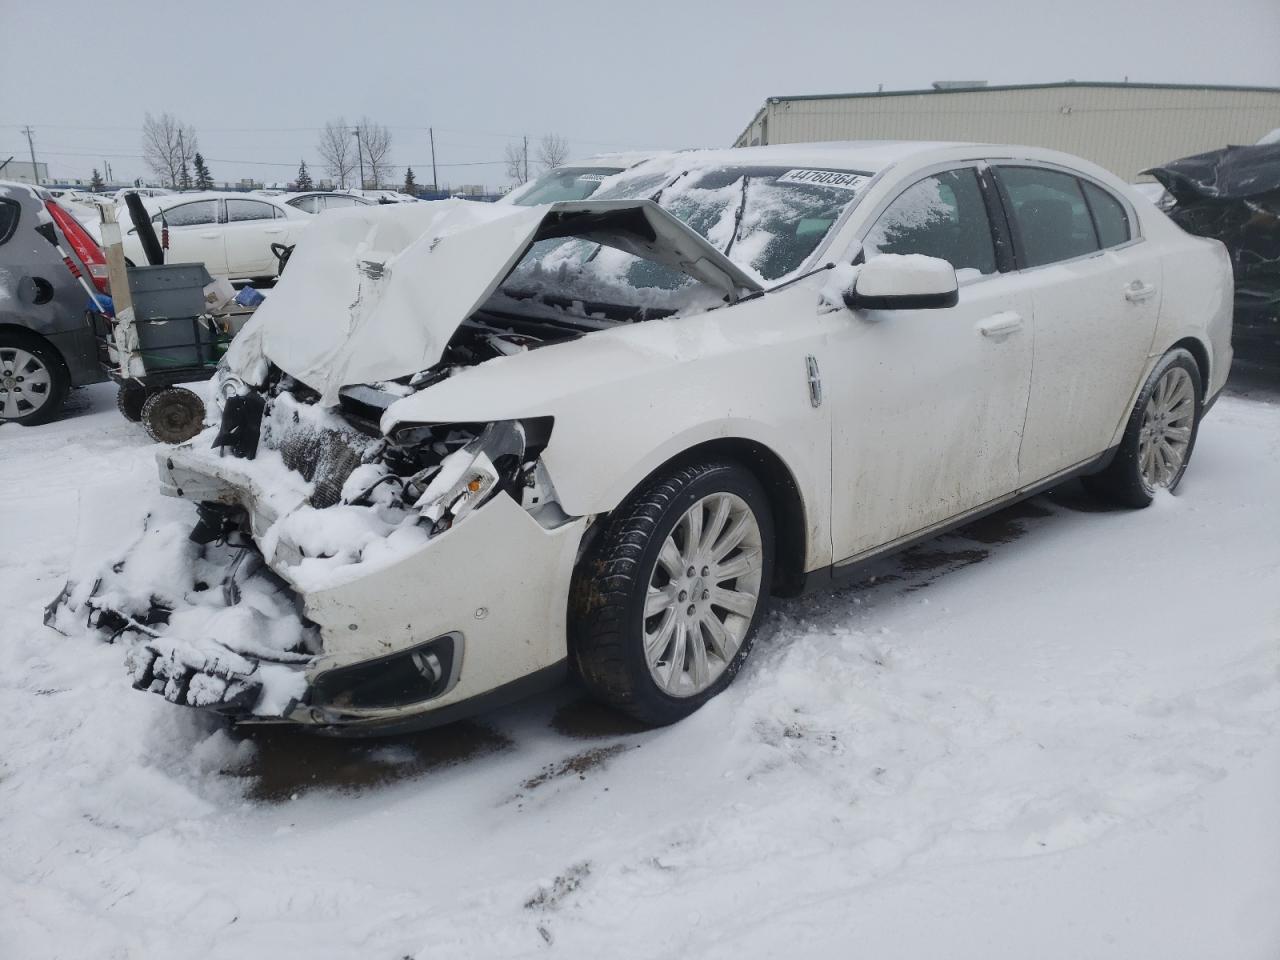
(256, 79)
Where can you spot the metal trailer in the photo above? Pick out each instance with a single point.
(162, 335)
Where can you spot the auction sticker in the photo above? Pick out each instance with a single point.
(824, 178)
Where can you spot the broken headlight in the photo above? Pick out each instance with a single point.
(470, 476)
(226, 384)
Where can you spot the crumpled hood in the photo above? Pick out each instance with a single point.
(375, 293)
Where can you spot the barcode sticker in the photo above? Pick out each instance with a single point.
(824, 178)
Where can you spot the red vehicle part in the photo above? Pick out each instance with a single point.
(85, 247)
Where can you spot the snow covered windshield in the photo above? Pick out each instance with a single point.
(766, 219)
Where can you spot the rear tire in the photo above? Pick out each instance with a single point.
(33, 380)
(173, 415)
(664, 607)
(1159, 438)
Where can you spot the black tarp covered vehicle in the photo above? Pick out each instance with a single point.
(1233, 195)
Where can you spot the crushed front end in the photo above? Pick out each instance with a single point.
(336, 577)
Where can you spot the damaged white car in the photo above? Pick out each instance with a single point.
(464, 447)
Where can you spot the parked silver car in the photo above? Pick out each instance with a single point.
(46, 343)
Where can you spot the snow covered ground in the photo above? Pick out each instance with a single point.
(1055, 735)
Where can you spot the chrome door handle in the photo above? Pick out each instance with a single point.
(1138, 291)
(1000, 325)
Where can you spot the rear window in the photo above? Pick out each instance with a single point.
(9, 213)
(189, 214)
(1050, 215)
(1108, 214)
(238, 210)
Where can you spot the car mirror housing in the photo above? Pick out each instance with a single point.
(891, 281)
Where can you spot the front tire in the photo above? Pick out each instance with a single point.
(665, 606)
(1159, 438)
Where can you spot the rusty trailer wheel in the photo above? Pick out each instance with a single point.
(173, 415)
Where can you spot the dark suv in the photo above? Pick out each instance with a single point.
(46, 343)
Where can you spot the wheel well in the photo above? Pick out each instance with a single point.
(784, 499)
(24, 333)
(1201, 355)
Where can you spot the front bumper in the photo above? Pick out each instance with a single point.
(487, 599)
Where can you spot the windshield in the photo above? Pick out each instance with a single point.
(766, 219)
(565, 183)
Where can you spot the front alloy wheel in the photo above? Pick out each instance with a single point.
(663, 607)
(702, 595)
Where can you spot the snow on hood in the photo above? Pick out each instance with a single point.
(375, 293)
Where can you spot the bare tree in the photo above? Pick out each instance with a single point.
(553, 151)
(168, 147)
(338, 150)
(375, 140)
(518, 162)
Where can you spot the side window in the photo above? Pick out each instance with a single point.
(240, 210)
(9, 213)
(941, 216)
(307, 204)
(1049, 213)
(339, 203)
(190, 214)
(1109, 215)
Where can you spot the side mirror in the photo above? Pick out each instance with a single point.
(893, 281)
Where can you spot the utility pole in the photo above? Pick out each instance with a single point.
(35, 171)
(435, 183)
(526, 159)
(359, 154)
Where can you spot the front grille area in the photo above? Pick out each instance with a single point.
(325, 455)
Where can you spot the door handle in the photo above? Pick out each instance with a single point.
(1138, 291)
(1000, 325)
(210, 236)
(274, 230)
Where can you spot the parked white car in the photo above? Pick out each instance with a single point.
(317, 201)
(467, 446)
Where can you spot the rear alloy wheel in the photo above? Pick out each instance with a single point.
(1159, 437)
(173, 415)
(33, 384)
(665, 605)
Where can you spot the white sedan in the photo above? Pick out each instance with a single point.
(465, 447)
(231, 233)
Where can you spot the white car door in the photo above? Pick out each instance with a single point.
(193, 235)
(928, 404)
(252, 226)
(1096, 288)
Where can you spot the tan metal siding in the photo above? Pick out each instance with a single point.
(1125, 129)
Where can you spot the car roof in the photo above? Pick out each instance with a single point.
(869, 156)
(286, 197)
(18, 185)
(167, 202)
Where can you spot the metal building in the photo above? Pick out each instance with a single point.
(1125, 127)
(23, 172)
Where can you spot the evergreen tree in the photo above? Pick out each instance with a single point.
(184, 176)
(96, 184)
(304, 178)
(410, 184)
(204, 179)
